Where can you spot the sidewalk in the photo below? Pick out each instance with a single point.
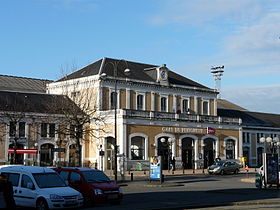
(145, 174)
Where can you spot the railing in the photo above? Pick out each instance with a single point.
(128, 113)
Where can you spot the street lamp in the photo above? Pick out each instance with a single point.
(273, 143)
(126, 71)
(169, 143)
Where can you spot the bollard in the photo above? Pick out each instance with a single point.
(131, 176)
(162, 178)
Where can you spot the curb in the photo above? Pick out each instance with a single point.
(243, 203)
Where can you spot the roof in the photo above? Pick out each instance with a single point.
(34, 102)
(138, 71)
(224, 104)
(22, 84)
(31, 169)
(76, 169)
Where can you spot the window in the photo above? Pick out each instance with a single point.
(24, 180)
(137, 148)
(113, 100)
(75, 94)
(13, 178)
(74, 177)
(22, 129)
(140, 102)
(205, 108)
(246, 138)
(163, 104)
(230, 149)
(44, 127)
(52, 130)
(13, 129)
(64, 175)
(185, 106)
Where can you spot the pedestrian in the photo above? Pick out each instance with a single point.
(173, 163)
(6, 193)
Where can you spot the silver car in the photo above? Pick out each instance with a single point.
(224, 167)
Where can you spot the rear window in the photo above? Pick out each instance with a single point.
(48, 180)
(95, 177)
(12, 177)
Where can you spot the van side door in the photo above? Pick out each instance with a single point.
(28, 191)
(14, 179)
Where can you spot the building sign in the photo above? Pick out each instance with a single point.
(181, 130)
(211, 130)
(155, 167)
(23, 151)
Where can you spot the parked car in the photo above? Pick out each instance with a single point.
(41, 188)
(224, 167)
(95, 185)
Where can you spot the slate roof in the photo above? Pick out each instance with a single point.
(22, 84)
(34, 102)
(138, 72)
(254, 119)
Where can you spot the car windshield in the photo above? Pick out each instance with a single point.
(219, 163)
(95, 177)
(48, 180)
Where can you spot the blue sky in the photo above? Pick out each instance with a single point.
(46, 38)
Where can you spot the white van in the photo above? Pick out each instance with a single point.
(41, 188)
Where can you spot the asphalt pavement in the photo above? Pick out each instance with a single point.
(195, 191)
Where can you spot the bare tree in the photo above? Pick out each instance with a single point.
(80, 113)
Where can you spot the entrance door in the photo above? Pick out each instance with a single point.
(110, 153)
(209, 152)
(164, 150)
(187, 153)
(46, 155)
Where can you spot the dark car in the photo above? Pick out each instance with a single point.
(224, 167)
(95, 185)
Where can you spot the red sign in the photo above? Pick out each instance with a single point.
(22, 151)
(211, 130)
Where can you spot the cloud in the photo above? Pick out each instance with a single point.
(205, 11)
(257, 98)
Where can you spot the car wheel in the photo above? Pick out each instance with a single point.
(42, 205)
(222, 172)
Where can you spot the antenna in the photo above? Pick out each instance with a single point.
(217, 73)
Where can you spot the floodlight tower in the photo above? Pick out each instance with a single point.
(217, 73)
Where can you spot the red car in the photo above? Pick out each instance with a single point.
(95, 185)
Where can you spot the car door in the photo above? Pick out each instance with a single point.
(14, 179)
(75, 181)
(28, 191)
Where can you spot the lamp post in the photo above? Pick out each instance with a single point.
(126, 71)
(273, 143)
(169, 143)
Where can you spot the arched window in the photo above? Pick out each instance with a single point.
(137, 148)
(230, 149)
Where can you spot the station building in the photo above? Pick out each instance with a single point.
(158, 113)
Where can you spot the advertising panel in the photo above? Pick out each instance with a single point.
(155, 167)
(271, 168)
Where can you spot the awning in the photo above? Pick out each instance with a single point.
(23, 151)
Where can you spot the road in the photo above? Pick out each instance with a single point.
(195, 191)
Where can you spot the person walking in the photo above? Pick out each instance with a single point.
(6, 194)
